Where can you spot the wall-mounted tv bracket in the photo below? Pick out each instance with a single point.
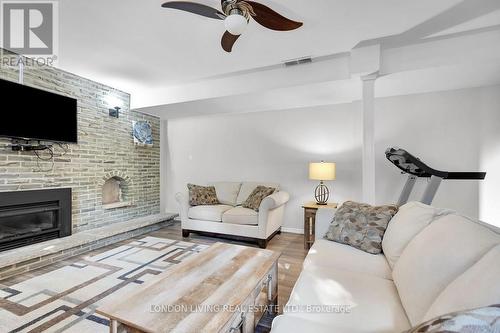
(415, 168)
(29, 145)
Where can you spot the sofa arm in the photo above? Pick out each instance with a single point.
(271, 212)
(183, 201)
(274, 200)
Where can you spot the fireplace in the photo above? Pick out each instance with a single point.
(28, 217)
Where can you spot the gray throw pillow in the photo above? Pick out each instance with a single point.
(481, 320)
(361, 226)
(202, 195)
(255, 198)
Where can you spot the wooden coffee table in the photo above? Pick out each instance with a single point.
(225, 288)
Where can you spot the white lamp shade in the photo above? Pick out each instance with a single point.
(236, 24)
(322, 171)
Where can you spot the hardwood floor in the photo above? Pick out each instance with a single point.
(290, 263)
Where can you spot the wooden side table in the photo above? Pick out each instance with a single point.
(310, 210)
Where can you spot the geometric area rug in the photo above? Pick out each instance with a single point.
(65, 299)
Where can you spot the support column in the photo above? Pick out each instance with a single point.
(369, 137)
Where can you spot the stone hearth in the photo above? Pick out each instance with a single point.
(27, 258)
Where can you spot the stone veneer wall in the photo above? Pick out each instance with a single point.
(105, 147)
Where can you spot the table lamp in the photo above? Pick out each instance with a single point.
(322, 171)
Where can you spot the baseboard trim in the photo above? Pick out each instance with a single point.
(293, 230)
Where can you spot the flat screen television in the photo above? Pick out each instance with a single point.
(33, 114)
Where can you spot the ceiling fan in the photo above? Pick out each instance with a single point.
(236, 15)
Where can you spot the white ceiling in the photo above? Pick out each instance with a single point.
(338, 92)
(488, 20)
(137, 46)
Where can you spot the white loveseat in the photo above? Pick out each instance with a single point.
(434, 262)
(229, 219)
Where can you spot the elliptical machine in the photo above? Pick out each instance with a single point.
(415, 168)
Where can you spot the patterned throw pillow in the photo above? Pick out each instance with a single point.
(255, 198)
(361, 226)
(202, 195)
(481, 320)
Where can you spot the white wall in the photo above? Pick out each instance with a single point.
(452, 131)
(440, 129)
(268, 146)
(489, 191)
(455, 130)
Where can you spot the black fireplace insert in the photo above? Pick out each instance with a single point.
(28, 217)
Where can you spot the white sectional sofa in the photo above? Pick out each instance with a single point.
(229, 219)
(434, 262)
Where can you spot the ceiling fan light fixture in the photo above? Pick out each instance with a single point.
(236, 15)
(236, 24)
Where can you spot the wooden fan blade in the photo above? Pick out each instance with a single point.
(268, 18)
(195, 8)
(228, 41)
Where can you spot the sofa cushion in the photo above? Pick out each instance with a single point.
(248, 187)
(481, 320)
(202, 195)
(373, 303)
(437, 256)
(360, 225)
(406, 224)
(227, 192)
(255, 198)
(328, 254)
(208, 212)
(479, 286)
(241, 215)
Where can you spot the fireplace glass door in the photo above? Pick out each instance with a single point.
(22, 221)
